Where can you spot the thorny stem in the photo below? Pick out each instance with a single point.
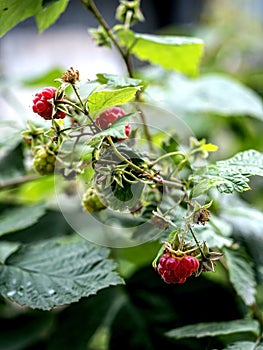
(90, 5)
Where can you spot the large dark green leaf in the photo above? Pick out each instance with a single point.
(19, 218)
(213, 329)
(241, 274)
(48, 274)
(6, 249)
(247, 223)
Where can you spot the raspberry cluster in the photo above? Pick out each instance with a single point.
(42, 104)
(176, 270)
(109, 116)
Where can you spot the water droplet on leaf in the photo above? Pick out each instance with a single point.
(11, 293)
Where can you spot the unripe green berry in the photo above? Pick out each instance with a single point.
(91, 202)
(44, 161)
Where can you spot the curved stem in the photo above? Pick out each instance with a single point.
(81, 109)
(196, 241)
(90, 5)
(119, 155)
(167, 155)
(78, 96)
(155, 178)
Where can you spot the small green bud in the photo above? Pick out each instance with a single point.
(100, 36)
(129, 11)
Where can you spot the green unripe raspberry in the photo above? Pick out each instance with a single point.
(91, 201)
(44, 162)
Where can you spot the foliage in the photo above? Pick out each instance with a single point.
(153, 195)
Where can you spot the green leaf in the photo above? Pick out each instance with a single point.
(231, 174)
(247, 163)
(6, 249)
(98, 101)
(213, 329)
(214, 235)
(19, 218)
(241, 345)
(211, 94)
(49, 274)
(14, 11)
(247, 223)
(45, 79)
(48, 15)
(116, 81)
(241, 274)
(182, 54)
(205, 185)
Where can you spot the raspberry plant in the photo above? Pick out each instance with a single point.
(104, 148)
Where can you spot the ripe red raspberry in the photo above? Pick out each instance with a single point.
(42, 104)
(174, 269)
(109, 116)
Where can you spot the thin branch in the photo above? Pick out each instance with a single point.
(18, 181)
(90, 5)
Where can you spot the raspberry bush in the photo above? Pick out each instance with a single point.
(108, 189)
